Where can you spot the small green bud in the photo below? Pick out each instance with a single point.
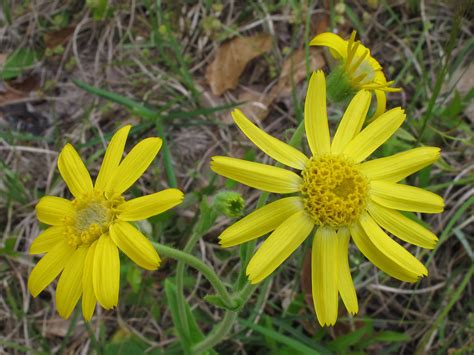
(339, 87)
(229, 203)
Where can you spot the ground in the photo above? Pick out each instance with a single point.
(68, 68)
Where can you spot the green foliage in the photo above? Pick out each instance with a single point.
(17, 62)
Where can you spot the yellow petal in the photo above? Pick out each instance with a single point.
(374, 135)
(74, 172)
(405, 198)
(324, 275)
(260, 176)
(49, 267)
(402, 227)
(381, 98)
(135, 245)
(391, 249)
(260, 222)
(69, 287)
(333, 41)
(344, 280)
(146, 206)
(377, 258)
(106, 272)
(47, 240)
(352, 121)
(315, 115)
(112, 158)
(398, 166)
(279, 246)
(51, 210)
(275, 148)
(88, 296)
(133, 165)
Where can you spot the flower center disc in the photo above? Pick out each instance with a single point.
(94, 213)
(334, 191)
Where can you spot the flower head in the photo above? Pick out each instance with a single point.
(357, 69)
(339, 194)
(86, 233)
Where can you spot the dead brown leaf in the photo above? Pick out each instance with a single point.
(232, 57)
(13, 91)
(58, 38)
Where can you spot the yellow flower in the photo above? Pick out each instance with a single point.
(339, 194)
(362, 70)
(86, 233)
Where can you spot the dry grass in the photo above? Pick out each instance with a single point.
(159, 57)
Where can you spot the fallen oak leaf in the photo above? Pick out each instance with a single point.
(231, 59)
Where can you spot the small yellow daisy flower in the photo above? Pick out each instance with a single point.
(86, 233)
(338, 193)
(362, 70)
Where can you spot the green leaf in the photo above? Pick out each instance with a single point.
(17, 62)
(391, 337)
(217, 301)
(99, 8)
(134, 278)
(195, 333)
(280, 338)
(344, 342)
(132, 105)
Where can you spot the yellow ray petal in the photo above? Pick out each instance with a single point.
(398, 166)
(74, 172)
(135, 245)
(260, 176)
(47, 240)
(377, 258)
(333, 41)
(275, 148)
(106, 272)
(260, 222)
(405, 198)
(324, 274)
(391, 249)
(279, 246)
(49, 267)
(133, 165)
(352, 121)
(88, 296)
(112, 158)
(146, 206)
(381, 98)
(69, 287)
(344, 280)
(374, 135)
(51, 210)
(402, 227)
(315, 115)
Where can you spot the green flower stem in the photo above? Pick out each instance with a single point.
(208, 272)
(217, 334)
(221, 330)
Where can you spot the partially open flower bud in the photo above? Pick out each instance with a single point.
(229, 203)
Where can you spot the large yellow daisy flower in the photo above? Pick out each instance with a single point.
(339, 194)
(362, 70)
(86, 233)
